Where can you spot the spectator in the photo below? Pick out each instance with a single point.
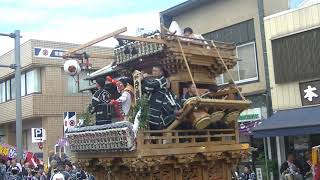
(3, 169)
(42, 173)
(291, 168)
(248, 174)
(69, 169)
(53, 166)
(14, 174)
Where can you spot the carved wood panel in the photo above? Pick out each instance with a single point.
(164, 173)
(192, 173)
(215, 171)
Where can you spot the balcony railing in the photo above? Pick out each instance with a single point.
(186, 138)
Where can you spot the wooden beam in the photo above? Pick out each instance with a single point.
(142, 39)
(101, 56)
(95, 41)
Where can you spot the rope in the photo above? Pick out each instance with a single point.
(187, 65)
(228, 72)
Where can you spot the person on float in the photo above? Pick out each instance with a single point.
(155, 86)
(124, 102)
(100, 101)
(191, 92)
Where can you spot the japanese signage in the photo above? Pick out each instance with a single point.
(48, 53)
(250, 115)
(310, 93)
(38, 135)
(249, 119)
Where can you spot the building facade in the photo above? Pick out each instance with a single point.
(292, 39)
(239, 22)
(47, 92)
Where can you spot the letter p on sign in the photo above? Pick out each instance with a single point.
(38, 135)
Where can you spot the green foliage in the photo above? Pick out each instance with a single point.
(272, 164)
(142, 103)
(88, 118)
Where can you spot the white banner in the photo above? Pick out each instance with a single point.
(70, 120)
(48, 53)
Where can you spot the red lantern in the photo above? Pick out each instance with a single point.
(40, 145)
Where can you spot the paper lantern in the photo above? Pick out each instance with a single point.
(72, 67)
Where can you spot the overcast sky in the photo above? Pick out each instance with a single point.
(77, 21)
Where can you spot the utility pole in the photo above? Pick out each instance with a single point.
(17, 67)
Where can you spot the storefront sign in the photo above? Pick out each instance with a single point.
(250, 115)
(249, 119)
(310, 93)
(48, 53)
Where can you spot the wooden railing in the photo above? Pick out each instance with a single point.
(186, 138)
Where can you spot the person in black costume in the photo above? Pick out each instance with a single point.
(100, 101)
(161, 102)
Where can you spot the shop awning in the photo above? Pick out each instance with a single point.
(290, 123)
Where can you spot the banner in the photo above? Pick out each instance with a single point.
(48, 53)
(70, 120)
(9, 152)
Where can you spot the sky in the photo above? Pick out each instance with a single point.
(77, 21)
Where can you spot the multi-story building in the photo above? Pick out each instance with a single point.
(292, 39)
(239, 22)
(47, 92)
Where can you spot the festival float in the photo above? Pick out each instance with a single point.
(129, 150)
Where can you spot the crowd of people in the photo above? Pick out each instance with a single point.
(303, 169)
(60, 168)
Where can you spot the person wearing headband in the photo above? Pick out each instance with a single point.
(124, 102)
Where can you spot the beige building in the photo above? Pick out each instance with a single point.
(292, 39)
(240, 22)
(47, 91)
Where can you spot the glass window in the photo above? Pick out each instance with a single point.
(23, 84)
(33, 81)
(248, 65)
(83, 83)
(13, 89)
(72, 85)
(2, 92)
(8, 94)
(246, 68)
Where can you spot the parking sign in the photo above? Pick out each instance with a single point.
(38, 135)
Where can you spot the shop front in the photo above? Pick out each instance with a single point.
(296, 130)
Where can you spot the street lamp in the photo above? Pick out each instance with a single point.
(17, 67)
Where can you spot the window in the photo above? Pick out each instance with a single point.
(73, 86)
(23, 84)
(2, 92)
(246, 69)
(30, 83)
(13, 88)
(33, 81)
(8, 93)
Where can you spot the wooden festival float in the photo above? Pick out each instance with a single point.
(117, 151)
